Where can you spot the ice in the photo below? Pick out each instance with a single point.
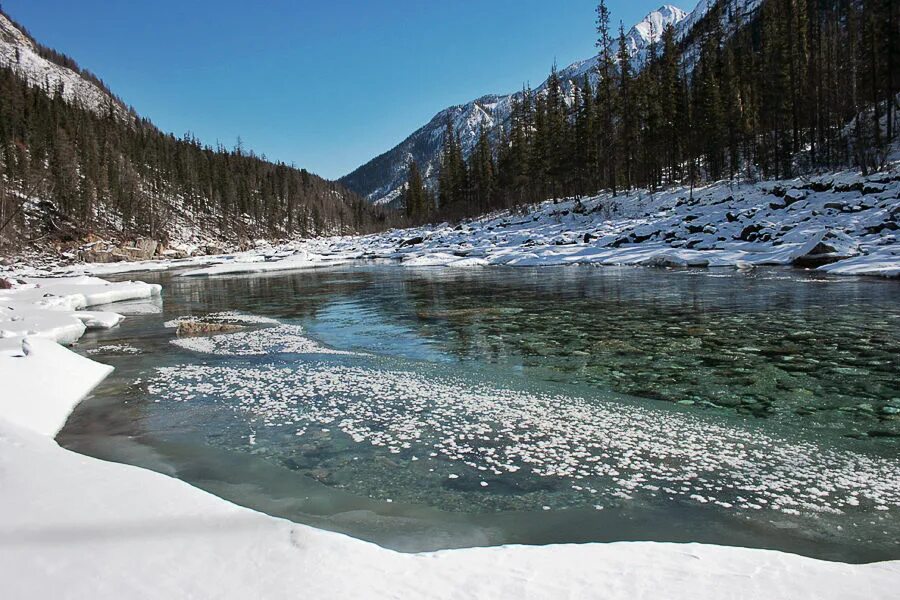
(488, 428)
(262, 263)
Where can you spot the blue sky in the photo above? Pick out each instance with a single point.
(326, 85)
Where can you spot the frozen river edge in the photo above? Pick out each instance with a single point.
(74, 526)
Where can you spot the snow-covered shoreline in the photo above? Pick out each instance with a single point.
(840, 223)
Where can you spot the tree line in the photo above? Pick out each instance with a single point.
(795, 86)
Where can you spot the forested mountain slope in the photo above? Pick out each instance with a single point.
(737, 89)
(76, 163)
(750, 90)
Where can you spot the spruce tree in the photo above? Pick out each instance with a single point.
(606, 100)
(416, 197)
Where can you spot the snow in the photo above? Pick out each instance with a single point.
(84, 528)
(255, 262)
(52, 308)
(18, 52)
(842, 223)
(43, 382)
(884, 262)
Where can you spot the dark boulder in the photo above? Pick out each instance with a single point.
(412, 242)
(750, 232)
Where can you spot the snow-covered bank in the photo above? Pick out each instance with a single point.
(53, 308)
(42, 382)
(77, 527)
(264, 262)
(840, 223)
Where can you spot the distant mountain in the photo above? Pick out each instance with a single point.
(382, 179)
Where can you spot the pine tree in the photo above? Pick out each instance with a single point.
(627, 111)
(585, 164)
(482, 171)
(671, 103)
(453, 180)
(606, 100)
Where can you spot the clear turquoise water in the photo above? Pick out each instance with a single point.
(527, 406)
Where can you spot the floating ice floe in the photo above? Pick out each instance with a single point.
(115, 349)
(254, 262)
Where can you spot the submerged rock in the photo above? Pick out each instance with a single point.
(189, 328)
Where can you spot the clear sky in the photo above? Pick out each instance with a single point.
(324, 84)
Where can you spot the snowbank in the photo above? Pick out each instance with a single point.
(263, 261)
(841, 223)
(885, 263)
(43, 382)
(77, 527)
(52, 308)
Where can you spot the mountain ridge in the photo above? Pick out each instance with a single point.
(382, 179)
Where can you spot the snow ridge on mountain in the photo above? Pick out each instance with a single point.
(382, 179)
(18, 51)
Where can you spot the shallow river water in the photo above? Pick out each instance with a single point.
(437, 408)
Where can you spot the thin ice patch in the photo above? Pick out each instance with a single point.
(606, 451)
(227, 317)
(115, 349)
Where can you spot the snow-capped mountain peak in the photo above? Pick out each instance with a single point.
(18, 51)
(651, 28)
